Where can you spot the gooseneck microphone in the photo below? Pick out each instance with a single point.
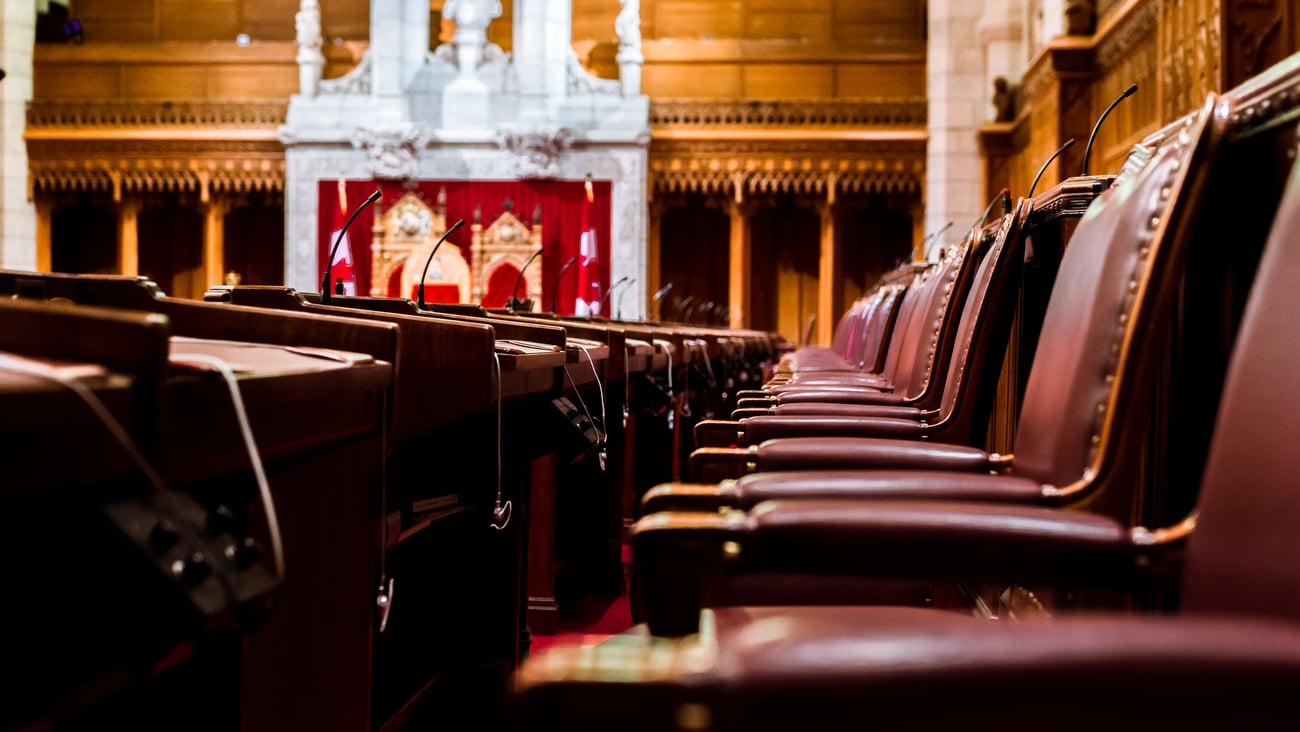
(1043, 169)
(419, 298)
(326, 280)
(514, 291)
(555, 288)
(618, 304)
(1087, 151)
(620, 281)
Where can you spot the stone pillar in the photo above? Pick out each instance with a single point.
(829, 283)
(128, 237)
(214, 243)
(310, 60)
(44, 234)
(629, 56)
(399, 44)
(1001, 32)
(959, 95)
(738, 289)
(543, 34)
(465, 101)
(17, 216)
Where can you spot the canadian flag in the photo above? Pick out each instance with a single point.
(341, 267)
(588, 300)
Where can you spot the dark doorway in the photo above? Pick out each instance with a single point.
(171, 247)
(694, 255)
(254, 241)
(83, 237)
(785, 254)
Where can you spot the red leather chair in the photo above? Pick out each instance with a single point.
(983, 328)
(1228, 658)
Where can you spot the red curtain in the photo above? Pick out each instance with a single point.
(560, 202)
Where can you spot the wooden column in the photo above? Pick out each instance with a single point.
(653, 275)
(738, 289)
(128, 237)
(214, 235)
(44, 234)
(828, 270)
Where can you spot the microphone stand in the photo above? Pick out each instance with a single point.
(326, 280)
(610, 289)
(1043, 169)
(425, 273)
(514, 300)
(555, 288)
(1087, 151)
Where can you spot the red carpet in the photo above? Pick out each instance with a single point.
(590, 620)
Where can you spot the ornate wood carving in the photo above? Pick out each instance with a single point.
(1257, 37)
(129, 147)
(1190, 55)
(506, 241)
(812, 113)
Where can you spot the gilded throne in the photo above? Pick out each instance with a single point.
(405, 235)
(500, 252)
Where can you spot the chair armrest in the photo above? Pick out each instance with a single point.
(899, 411)
(919, 485)
(679, 556)
(853, 667)
(847, 453)
(838, 395)
(758, 429)
(718, 433)
(690, 497)
(748, 491)
(714, 464)
(936, 540)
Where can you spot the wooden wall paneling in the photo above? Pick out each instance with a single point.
(117, 20)
(1190, 53)
(1256, 35)
(878, 21)
(1127, 54)
(164, 81)
(241, 81)
(265, 20)
(787, 81)
(696, 19)
(905, 78)
(810, 19)
(84, 81)
(199, 20)
(692, 80)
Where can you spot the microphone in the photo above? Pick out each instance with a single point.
(620, 281)
(555, 288)
(514, 291)
(419, 298)
(618, 305)
(931, 237)
(1043, 169)
(988, 209)
(1087, 151)
(326, 280)
(657, 297)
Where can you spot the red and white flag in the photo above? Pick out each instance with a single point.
(341, 267)
(588, 300)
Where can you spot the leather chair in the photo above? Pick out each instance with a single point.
(1081, 437)
(1228, 657)
(1087, 354)
(971, 379)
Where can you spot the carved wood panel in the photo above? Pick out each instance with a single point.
(1190, 49)
(1257, 34)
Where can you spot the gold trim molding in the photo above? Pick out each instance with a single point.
(196, 147)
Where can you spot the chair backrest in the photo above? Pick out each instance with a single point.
(1113, 283)
(909, 307)
(878, 329)
(928, 341)
(1244, 556)
(985, 325)
(849, 325)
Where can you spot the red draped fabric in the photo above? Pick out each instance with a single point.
(499, 284)
(561, 205)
